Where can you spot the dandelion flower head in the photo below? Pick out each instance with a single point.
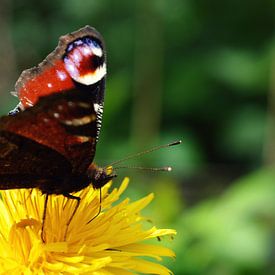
(112, 243)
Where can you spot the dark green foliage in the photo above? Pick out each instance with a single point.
(180, 69)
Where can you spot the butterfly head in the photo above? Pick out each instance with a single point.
(100, 176)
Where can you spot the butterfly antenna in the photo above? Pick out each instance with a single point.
(144, 153)
(153, 169)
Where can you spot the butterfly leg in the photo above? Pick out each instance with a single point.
(44, 218)
(28, 197)
(69, 196)
(99, 209)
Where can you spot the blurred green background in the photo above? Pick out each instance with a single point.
(200, 71)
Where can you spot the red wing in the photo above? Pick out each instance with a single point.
(65, 123)
(67, 92)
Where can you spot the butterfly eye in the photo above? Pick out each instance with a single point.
(84, 61)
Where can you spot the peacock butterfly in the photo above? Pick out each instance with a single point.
(49, 140)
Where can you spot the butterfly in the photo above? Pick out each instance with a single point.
(49, 140)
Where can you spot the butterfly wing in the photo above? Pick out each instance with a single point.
(65, 123)
(25, 163)
(76, 71)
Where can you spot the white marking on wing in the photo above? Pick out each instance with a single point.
(80, 121)
(92, 77)
(61, 75)
(83, 139)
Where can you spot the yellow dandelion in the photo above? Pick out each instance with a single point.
(112, 243)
